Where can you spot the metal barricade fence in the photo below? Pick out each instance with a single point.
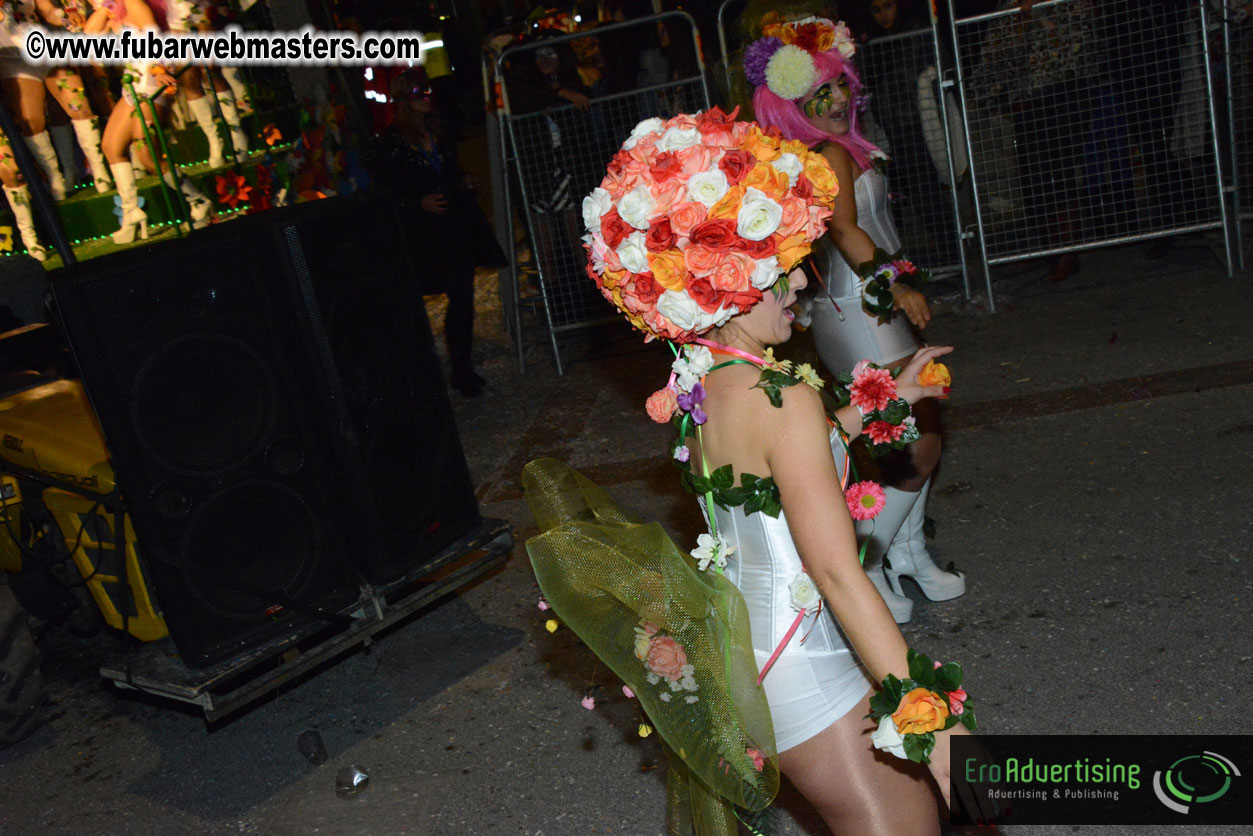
(920, 130)
(1238, 54)
(558, 154)
(1089, 124)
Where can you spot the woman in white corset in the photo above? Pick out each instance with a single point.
(822, 112)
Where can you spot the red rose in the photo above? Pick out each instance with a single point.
(660, 237)
(735, 165)
(704, 294)
(807, 37)
(758, 249)
(803, 188)
(618, 162)
(743, 299)
(666, 166)
(716, 234)
(646, 288)
(613, 229)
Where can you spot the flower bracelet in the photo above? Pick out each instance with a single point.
(880, 273)
(910, 711)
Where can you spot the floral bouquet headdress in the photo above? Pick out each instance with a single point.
(697, 216)
(783, 57)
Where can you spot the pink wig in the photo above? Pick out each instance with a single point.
(788, 117)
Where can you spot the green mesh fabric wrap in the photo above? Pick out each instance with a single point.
(680, 639)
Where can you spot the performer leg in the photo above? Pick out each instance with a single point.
(907, 555)
(202, 111)
(89, 140)
(459, 337)
(132, 215)
(235, 78)
(230, 113)
(19, 202)
(855, 787)
(67, 159)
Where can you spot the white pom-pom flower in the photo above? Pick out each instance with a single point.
(790, 72)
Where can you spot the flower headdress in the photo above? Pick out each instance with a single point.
(697, 216)
(783, 58)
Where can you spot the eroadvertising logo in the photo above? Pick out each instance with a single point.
(1101, 779)
(1194, 779)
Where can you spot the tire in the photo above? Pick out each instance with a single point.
(21, 682)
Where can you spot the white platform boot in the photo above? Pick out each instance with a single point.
(132, 216)
(908, 557)
(41, 146)
(879, 533)
(88, 133)
(230, 114)
(19, 202)
(200, 207)
(202, 112)
(235, 78)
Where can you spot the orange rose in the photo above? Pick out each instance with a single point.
(792, 249)
(920, 711)
(701, 260)
(795, 217)
(684, 217)
(767, 179)
(733, 272)
(728, 206)
(934, 374)
(794, 146)
(759, 145)
(668, 269)
(613, 278)
(666, 658)
(819, 172)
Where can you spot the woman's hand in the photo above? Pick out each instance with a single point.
(939, 765)
(575, 98)
(912, 303)
(907, 386)
(436, 203)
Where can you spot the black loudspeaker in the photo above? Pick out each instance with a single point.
(276, 416)
(197, 364)
(368, 326)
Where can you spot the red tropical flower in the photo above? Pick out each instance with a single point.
(233, 189)
(272, 134)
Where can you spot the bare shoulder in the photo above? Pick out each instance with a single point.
(840, 159)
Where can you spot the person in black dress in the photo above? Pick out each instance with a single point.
(448, 231)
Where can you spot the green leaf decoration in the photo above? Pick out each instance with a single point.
(919, 746)
(921, 668)
(772, 382)
(895, 412)
(968, 717)
(722, 478)
(949, 676)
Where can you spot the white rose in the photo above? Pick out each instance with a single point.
(643, 129)
(679, 308)
(766, 273)
(888, 738)
(717, 320)
(805, 595)
(595, 205)
(691, 365)
(759, 216)
(636, 206)
(633, 253)
(789, 164)
(707, 187)
(676, 138)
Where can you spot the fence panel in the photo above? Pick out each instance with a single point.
(1238, 47)
(559, 154)
(902, 74)
(1089, 123)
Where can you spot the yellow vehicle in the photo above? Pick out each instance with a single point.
(71, 560)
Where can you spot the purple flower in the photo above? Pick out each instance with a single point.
(681, 453)
(757, 56)
(691, 401)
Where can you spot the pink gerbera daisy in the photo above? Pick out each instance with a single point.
(872, 389)
(881, 432)
(865, 500)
